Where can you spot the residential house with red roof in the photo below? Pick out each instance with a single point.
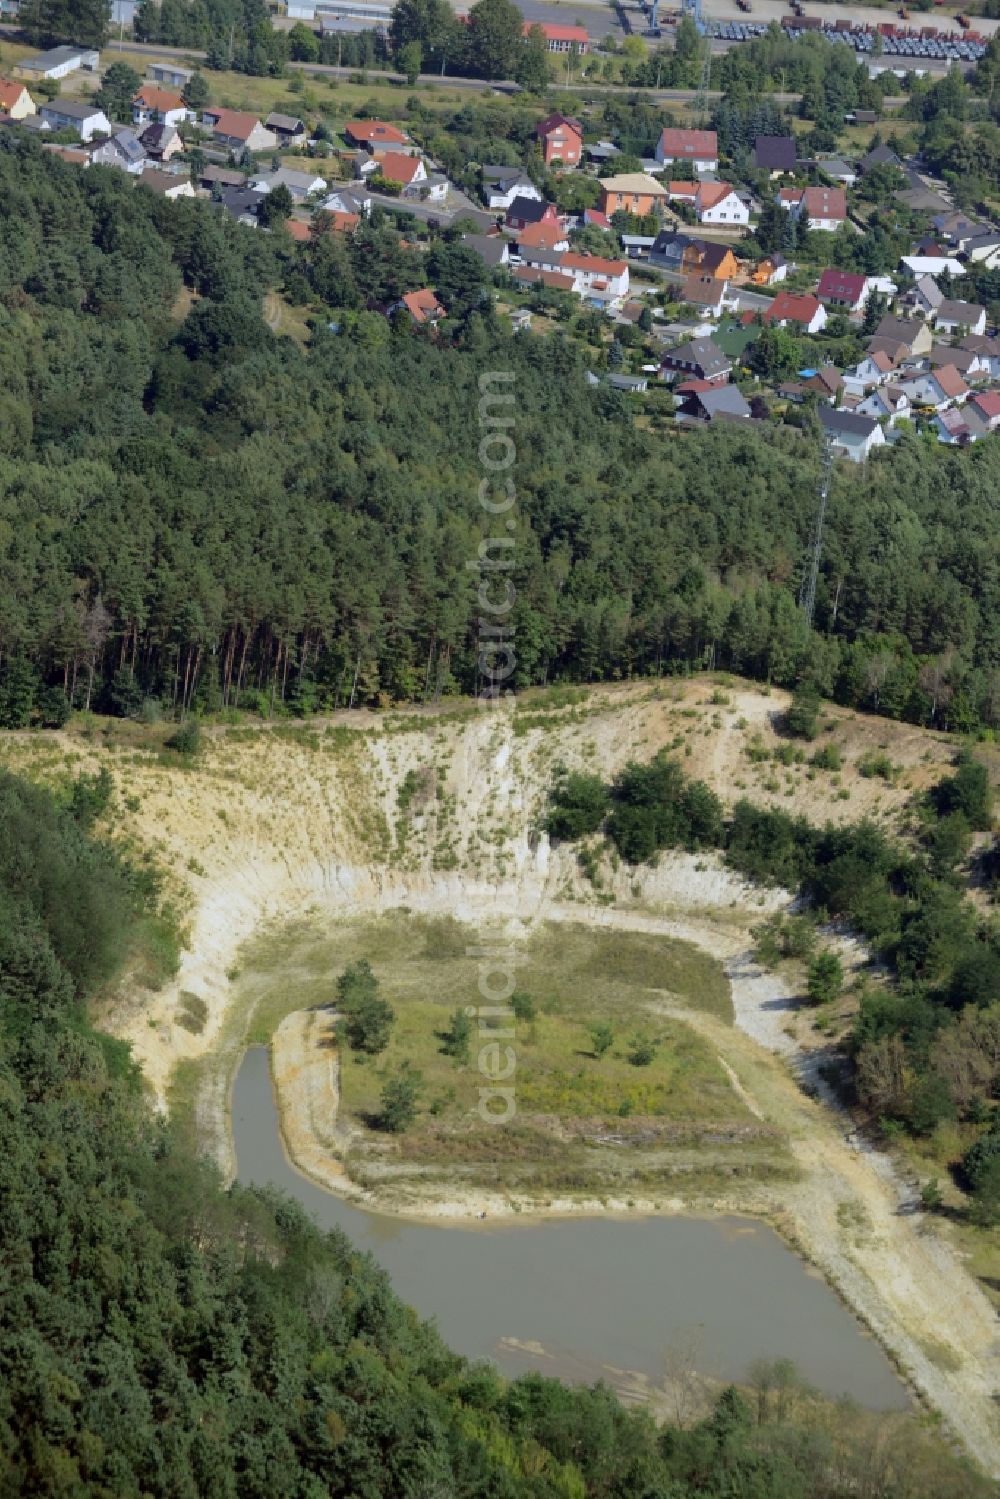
(878, 366)
(542, 236)
(15, 100)
(398, 166)
(983, 410)
(847, 291)
(597, 274)
(803, 309)
(423, 306)
(238, 131)
(713, 202)
(561, 139)
(938, 388)
(158, 106)
(367, 134)
(699, 147)
(824, 207)
(594, 277)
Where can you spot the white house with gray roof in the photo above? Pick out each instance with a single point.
(850, 435)
(123, 149)
(85, 119)
(501, 185)
(301, 185)
(950, 316)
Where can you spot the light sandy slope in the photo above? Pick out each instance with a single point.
(269, 827)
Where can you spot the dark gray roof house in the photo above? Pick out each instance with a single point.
(952, 314)
(635, 383)
(491, 247)
(724, 402)
(503, 174)
(983, 241)
(241, 203)
(839, 169)
(34, 123)
(844, 421)
(850, 435)
(879, 156)
(158, 139)
(966, 361)
(668, 248)
(286, 127)
(701, 357)
(774, 153)
(956, 226)
(525, 211)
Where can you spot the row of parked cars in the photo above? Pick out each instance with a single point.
(957, 49)
(735, 31)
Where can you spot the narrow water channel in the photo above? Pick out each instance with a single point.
(590, 1298)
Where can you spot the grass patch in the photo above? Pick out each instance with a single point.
(193, 1012)
(582, 1123)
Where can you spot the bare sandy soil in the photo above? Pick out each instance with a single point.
(273, 824)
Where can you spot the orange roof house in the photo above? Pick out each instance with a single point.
(235, 128)
(157, 106)
(423, 306)
(772, 268)
(15, 99)
(372, 133)
(791, 307)
(341, 222)
(397, 166)
(951, 382)
(543, 236)
(699, 147)
(824, 207)
(718, 261)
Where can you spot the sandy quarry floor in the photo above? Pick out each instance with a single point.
(273, 824)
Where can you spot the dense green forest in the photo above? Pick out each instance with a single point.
(197, 513)
(925, 1042)
(159, 1337)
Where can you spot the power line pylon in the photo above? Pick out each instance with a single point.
(807, 591)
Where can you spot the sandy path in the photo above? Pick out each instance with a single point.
(859, 1223)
